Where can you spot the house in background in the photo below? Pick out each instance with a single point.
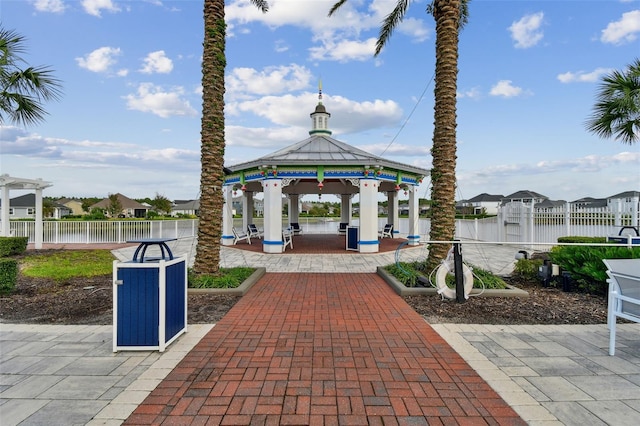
(624, 200)
(130, 208)
(525, 196)
(483, 203)
(24, 207)
(589, 202)
(74, 205)
(186, 207)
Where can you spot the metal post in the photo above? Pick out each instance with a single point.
(457, 269)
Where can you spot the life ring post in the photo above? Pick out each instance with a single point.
(457, 270)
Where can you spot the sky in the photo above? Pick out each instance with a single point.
(130, 115)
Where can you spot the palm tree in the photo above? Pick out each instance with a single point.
(617, 110)
(22, 91)
(207, 259)
(450, 16)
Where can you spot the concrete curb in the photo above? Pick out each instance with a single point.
(401, 290)
(241, 290)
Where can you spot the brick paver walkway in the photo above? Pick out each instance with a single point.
(323, 349)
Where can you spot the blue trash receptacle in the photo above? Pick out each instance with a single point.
(149, 301)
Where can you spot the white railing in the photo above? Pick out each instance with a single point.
(93, 232)
(515, 222)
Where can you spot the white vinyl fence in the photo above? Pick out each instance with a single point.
(538, 228)
(90, 232)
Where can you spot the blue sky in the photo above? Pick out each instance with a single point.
(129, 119)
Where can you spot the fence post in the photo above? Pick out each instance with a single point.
(530, 225)
(567, 219)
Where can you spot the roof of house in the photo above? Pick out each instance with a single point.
(484, 197)
(125, 202)
(626, 194)
(186, 205)
(525, 195)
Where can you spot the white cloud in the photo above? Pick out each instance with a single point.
(281, 46)
(260, 137)
(473, 93)
(397, 149)
(157, 62)
(100, 60)
(415, 28)
(526, 32)
(506, 89)
(95, 7)
(338, 37)
(344, 50)
(243, 82)
(623, 31)
(51, 6)
(582, 76)
(348, 116)
(153, 99)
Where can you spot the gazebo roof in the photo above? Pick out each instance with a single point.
(322, 149)
(320, 161)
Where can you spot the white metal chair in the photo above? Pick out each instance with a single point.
(624, 294)
(287, 238)
(254, 232)
(240, 236)
(387, 231)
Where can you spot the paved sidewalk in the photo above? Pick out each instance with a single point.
(549, 375)
(494, 257)
(556, 374)
(324, 349)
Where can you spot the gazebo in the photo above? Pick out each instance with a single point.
(7, 183)
(319, 165)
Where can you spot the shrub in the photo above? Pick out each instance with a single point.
(487, 279)
(582, 240)
(11, 246)
(409, 274)
(8, 275)
(585, 265)
(404, 272)
(527, 268)
(228, 278)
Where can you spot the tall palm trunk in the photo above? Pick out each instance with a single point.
(212, 140)
(443, 173)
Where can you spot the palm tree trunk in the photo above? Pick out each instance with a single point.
(443, 173)
(207, 259)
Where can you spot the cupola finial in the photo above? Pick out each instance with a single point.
(320, 117)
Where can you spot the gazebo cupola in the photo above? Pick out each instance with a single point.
(320, 117)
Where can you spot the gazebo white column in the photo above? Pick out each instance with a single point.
(247, 210)
(294, 208)
(345, 208)
(5, 211)
(272, 240)
(227, 216)
(392, 211)
(414, 229)
(368, 241)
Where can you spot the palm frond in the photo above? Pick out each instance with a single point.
(390, 23)
(336, 6)
(263, 5)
